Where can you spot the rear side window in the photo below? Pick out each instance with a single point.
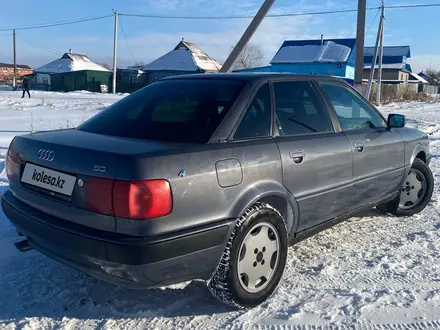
(181, 110)
(299, 109)
(256, 121)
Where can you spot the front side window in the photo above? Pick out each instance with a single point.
(299, 110)
(256, 121)
(181, 110)
(354, 113)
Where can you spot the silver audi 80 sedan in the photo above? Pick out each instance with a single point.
(211, 177)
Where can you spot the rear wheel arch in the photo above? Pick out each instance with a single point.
(283, 206)
(274, 195)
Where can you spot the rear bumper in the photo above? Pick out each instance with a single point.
(120, 259)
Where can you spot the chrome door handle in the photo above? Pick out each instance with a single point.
(297, 156)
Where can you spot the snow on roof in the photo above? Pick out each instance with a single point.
(312, 51)
(202, 59)
(417, 77)
(185, 56)
(327, 52)
(392, 66)
(397, 66)
(390, 51)
(70, 62)
(135, 67)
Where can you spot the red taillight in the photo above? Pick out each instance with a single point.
(139, 200)
(142, 200)
(99, 194)
(12, 167)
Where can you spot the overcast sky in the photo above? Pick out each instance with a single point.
(150, 38)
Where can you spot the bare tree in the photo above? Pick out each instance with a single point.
(251, 57)
(105, 65)
(433, 76)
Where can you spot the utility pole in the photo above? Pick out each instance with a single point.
(360, 41)
(247, 35)
(14, 79)
(373, 64)
(115, 50)
(379, 83)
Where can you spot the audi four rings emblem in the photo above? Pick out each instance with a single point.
(48, 155)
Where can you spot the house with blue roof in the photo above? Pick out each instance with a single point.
(395, 66)
(335, 57)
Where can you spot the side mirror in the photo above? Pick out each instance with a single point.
(396, 121)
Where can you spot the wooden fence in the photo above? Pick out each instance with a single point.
(404, 91)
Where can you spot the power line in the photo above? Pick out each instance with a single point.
(39, 45)
(45, 25)
(276, 15)
(87, 19)
(413, 6)
(10, 59)
(246, 16)
(126, 41)
(371, 24)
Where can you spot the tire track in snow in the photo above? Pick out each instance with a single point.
(413, 325)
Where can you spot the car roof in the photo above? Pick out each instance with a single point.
(252, 76)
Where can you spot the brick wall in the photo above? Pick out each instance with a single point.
(7, 73)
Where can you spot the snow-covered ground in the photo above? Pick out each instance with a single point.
(369, 272)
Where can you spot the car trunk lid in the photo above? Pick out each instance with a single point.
(56, 167)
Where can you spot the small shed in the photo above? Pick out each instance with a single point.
(72, 72)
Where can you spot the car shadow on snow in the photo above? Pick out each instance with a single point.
(33, 285)
(370, 213)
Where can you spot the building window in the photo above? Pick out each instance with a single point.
(132, 78)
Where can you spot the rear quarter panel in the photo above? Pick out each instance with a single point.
(218, 185)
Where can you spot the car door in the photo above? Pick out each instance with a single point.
(316, 159)
(378, 153)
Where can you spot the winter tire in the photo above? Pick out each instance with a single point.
(415, 194)
(253, 262)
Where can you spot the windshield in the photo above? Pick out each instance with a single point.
(181, 110)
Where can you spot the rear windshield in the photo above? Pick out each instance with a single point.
(186, 111)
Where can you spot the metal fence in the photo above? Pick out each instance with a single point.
(430, 89)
